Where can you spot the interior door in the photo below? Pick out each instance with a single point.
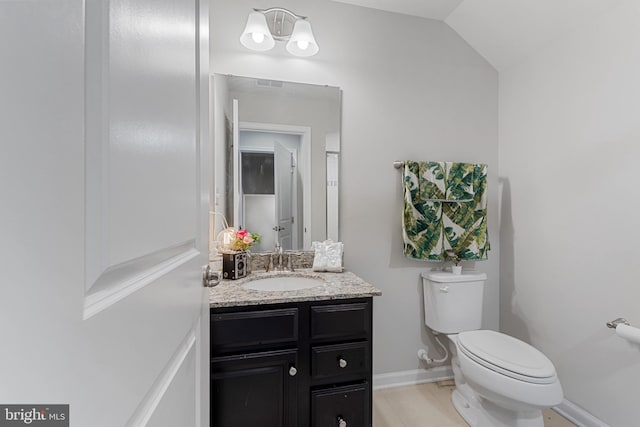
(104, 216)
(283, 170)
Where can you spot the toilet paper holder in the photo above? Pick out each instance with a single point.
(626, 331)
(619, 321)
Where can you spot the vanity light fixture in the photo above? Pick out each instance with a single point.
(265, 27)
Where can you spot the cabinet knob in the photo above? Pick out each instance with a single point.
(343, 364)
(293, 371)
(341, 422)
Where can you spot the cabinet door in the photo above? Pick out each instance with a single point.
(259, 389)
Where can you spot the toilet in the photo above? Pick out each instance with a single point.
(500, 380)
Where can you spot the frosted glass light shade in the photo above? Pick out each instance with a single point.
(225, 238)
(256, 34)
(302, 42)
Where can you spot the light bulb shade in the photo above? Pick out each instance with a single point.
(262, 40)
(302, 42)
(225, 238)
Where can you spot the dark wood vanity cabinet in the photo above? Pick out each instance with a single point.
(295, 364)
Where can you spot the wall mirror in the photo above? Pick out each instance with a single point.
(277, 153)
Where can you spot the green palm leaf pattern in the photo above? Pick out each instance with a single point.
(460, 181)
(445, 207)
(421, 219)
(431, 178)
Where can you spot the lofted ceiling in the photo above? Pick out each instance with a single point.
(505, 32)
(432, 9)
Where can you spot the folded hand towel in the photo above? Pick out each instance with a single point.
(328, 256)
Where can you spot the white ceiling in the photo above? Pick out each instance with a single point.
(432, 9)
(505, 32)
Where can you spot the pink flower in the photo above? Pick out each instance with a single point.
(241, 234)
(247, 239)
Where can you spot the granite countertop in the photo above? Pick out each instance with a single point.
(230, 293)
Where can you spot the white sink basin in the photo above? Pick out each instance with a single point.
(283, 283)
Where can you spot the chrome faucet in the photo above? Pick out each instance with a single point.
(277, 262)
(290, 261)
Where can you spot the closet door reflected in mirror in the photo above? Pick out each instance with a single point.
(276, 169)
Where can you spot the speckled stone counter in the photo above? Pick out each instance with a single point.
(230, 293)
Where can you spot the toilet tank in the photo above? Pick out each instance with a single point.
(453, 302)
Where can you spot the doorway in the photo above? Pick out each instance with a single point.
(270, 187)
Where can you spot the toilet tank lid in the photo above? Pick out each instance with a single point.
(448, 277)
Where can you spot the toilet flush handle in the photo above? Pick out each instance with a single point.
(444, 289)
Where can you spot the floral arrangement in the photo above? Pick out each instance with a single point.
(242, 240)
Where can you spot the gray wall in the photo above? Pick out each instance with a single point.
(569, 150)
(412, 89)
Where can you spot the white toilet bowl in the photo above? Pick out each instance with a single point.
(502, 381)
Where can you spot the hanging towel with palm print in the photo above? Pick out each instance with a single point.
(445, 207)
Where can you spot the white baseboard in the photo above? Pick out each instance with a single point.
(577, 415)
(417, 376)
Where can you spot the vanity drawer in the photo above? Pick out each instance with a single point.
(348, 404)
(340, 321)
(340, 359)
(236, 331)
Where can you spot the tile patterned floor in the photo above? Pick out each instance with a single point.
(429, 405)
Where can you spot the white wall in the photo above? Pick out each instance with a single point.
(412, 89)
(569, 149)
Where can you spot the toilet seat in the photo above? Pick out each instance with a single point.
(507, 355)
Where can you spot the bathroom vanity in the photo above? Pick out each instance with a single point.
(292, 358)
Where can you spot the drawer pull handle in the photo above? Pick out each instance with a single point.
(341, 422)
(343, 364)
(293, 371)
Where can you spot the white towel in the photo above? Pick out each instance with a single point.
(328, 256)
